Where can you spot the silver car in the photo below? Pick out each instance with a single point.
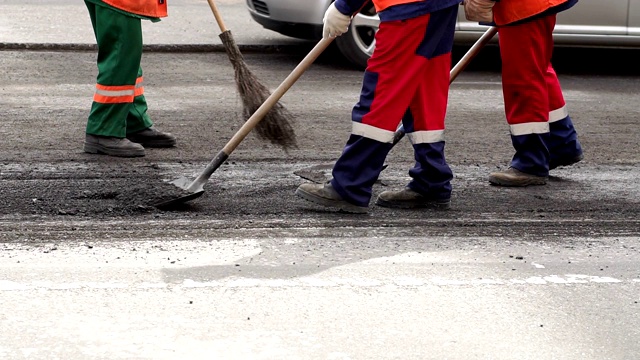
(612, 23)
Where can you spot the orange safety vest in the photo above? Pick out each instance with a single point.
(509, 11)
(383, 4)
(150, 8)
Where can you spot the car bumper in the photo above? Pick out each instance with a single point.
(304, 12)
(276, 15)
(295, 30)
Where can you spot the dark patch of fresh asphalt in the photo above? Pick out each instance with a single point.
(45, 175)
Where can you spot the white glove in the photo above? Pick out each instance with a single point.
(335, 22)
(479, 10)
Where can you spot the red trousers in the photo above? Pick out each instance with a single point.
(407, 78)
(542, 132)
(530, 85)
(408, 74)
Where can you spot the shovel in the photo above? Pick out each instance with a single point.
(189, 189)
(312, 174)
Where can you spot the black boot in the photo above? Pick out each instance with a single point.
(153, 138)
(113, 146)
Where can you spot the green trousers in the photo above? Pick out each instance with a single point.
(119, 106)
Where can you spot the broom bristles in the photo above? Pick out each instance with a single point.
(276, 126)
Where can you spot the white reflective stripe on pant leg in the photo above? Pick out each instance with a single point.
(558, 114)
(426, 137)
(114, 93)
(372, 132)
(529, 128)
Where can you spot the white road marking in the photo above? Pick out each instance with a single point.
(315, 282)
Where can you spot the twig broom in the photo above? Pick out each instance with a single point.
(276, 126)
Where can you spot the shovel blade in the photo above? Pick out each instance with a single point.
(179, 200)
(183, 194)
(183, 183)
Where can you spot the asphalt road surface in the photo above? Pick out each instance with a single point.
(88, 270)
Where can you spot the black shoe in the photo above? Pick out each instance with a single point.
(565, 161)
(153, 138)
(326, 195)
(409, 199)
(113, 146)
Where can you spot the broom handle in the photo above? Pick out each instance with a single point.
(217, 15)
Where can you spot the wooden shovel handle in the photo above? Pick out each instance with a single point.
(266, 106)
(271, 101)
(259, 114)
(473, 51)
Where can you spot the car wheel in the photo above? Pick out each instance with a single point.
(358, 43)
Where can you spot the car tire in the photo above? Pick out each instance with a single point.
(358, 43)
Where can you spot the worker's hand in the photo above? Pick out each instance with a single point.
(479, 10)
(335, 22)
